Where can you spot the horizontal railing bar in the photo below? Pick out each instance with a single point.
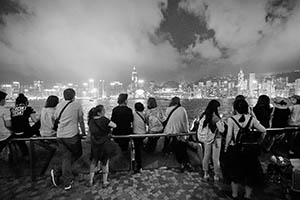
(149, 135)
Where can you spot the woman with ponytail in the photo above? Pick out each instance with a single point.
(102, 146)
(244, 170)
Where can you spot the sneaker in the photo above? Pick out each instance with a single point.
(216, 178)
(54, 178)
(67, 187)
(206, 176)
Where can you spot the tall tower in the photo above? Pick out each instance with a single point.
(134, 78)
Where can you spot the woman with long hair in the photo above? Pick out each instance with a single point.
(47, 116)
(244, 169)
(154, 119)
(263, 110)
(212, 146)
(102, 147)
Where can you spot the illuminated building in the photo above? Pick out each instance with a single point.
(297, 86)
(134, 78)
(252, 85)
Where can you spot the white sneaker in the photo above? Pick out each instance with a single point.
(216, 178)
(206, 176)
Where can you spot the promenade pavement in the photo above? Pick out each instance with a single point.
(162, 184)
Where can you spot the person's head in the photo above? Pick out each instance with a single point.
(51, 101)
(99, 110)
(263, 101)
(21, 99)
(151, 103)
(2, 98)
(279, 101)
(241, 107)
(69, 94)
(122, 99)
(295, 99)
(175, 101)
(139, 107)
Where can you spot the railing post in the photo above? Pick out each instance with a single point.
(31, 159)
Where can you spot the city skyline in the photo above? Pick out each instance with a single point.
(166, 40)
(251, 85)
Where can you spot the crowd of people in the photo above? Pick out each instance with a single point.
(219, 143)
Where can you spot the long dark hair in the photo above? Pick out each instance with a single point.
(262, 110)
(175, 101)
(94, 111)
(151, 103)
(212, 108)
(241, 106)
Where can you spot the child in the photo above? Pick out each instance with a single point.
(102, 147)
(139, 127)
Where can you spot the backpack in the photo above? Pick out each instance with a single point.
(245, 141)
(204, 134)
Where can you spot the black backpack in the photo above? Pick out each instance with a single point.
(246, 141)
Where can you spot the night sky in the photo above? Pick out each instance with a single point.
(73, 40)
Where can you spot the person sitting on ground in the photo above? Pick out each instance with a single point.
(47, 117)
(178, 123)
(5, 122)
(263, 110)
(68, 137)
(20, 115)
(212, 142)
(154, 119)
(139, 127)
(294, 119)
(102, 146)
(123, 117)
(245, 170)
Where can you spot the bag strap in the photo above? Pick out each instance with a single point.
(238, 124)
(141, 117)
(167, 120)
(59, 116)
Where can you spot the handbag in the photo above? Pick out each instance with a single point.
(204, 134)
(56, 121)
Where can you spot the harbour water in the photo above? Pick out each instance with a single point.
(194, 107)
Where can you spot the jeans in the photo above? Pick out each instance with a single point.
(212, 151)
(71, 150)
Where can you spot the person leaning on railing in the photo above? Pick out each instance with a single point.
(70, 115)
(178, 123)
(5, 122)
(47, 117)
(154, 118)
(244, 170)
(20, 115)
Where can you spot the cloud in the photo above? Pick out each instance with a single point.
(256, 34)
(205, 49)
(79, 39)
